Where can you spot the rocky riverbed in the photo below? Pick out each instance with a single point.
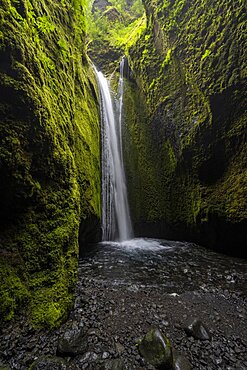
(126, 289)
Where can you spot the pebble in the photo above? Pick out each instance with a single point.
(136, 308)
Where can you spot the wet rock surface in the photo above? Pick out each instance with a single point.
(156, 349)
(72, 342)
(123, 292)
(180, 362)
(197, 330)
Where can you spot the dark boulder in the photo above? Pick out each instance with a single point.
(198, 330)
(156, 349)
(73, 342)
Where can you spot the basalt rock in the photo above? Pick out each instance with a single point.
(73, 342)
(198, 330)
(156, 349)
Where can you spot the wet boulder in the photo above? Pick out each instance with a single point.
(73, 342)
(49, 363)
(198, 330)
(180, 362)
(156, 349)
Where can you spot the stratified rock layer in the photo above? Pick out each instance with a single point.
(186, 160)
(49, 155)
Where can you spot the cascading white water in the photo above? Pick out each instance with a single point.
(120, 104)
(116, 222)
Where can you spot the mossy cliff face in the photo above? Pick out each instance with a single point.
(187, 167)
(112, 28)
(49, 155)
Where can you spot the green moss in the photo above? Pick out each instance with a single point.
(190, 66)
(156, 349)
(205, 55)
(53, 294)
(167, 59)
(125, 37)
(14, 286)
(142, 172)
(113, 30)
(49, 152)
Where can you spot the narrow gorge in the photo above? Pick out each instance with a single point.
(123, 184)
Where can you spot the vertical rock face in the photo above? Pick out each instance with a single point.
(187, 162)
(49, 154)
(113, 26)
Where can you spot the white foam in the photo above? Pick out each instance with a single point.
(138, 244)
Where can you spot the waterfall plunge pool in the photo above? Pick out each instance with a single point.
(172, 266)
(127, 288)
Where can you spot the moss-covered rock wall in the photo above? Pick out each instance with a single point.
(187, 167)
(49, 155)
(113, 26)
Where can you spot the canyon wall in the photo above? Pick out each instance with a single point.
(49, 156)
(185, 111)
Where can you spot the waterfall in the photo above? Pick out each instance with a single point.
(116, 222)
(120, 104)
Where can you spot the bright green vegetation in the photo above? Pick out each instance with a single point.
(49, 155)
(112, 30)
(124, 37)
(189, 163)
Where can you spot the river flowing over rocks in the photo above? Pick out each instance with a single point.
(195, 297)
